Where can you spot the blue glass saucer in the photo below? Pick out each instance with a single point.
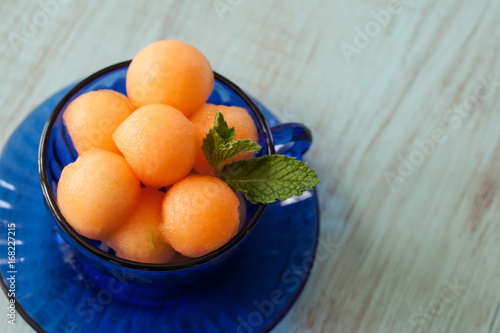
(252, 292)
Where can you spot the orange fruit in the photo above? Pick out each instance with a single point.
(200, 215)
(97, 193)
(237, 117)
(92, 118)
(138, 239)
(159, 143)
(170, 72)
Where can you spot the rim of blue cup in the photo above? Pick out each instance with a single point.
(89, 247)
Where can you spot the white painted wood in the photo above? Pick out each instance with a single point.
(398, 249)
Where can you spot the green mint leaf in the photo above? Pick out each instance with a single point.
(218, 145)
(261, 180)
(230, 150)
(265, 179)
(221, 128)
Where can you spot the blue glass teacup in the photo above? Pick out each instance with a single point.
(99, 262)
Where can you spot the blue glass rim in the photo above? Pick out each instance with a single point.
(51, 202)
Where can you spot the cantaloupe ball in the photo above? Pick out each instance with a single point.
(159, 143)
(138, 239)
(170, 72)
(97, 193)
(200, 215)
(237, 117)
(92, 118)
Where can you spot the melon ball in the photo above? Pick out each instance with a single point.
(200, 215)
(92, 118)
(159, 143)
(237, 117)
(138, 239)
(170, 72)
(97, 193)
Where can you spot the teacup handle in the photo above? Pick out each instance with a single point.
(291, 139)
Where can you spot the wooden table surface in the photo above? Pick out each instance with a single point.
(404, 102)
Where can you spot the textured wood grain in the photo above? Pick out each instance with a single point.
(418, 256)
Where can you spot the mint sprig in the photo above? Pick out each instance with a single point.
(262, 179)
(218, 145)
(265, 179)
